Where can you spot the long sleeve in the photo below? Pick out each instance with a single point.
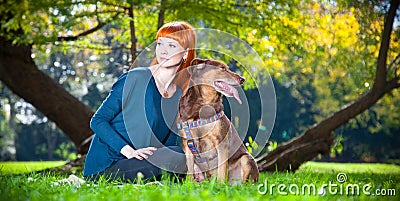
(172, 139)
(111, 106)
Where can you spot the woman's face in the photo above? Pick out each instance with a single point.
(169, 52)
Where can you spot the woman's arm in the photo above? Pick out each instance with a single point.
(129, 152)
(172, 139)
(111, 106)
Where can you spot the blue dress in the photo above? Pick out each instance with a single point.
(134, 113)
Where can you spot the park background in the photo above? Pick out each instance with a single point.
(320, 55)
(334, 66)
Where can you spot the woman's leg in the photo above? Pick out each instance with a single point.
(169, 158)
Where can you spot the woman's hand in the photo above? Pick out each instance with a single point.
(129, 152)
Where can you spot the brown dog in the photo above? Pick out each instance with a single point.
(208, 137)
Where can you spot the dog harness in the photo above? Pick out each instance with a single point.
(186, 126)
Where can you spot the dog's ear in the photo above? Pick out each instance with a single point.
(193, 69)
(216, 63)
(196, 65)
(197, 61)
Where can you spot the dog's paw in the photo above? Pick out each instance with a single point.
(198, 175)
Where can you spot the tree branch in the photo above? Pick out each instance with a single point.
(393, 63)
(393, 84)
(380, 77)
(87, 32)
(94, 47)
(318, 138)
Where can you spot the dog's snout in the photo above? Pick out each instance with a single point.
(241, 80)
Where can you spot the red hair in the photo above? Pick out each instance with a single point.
(185, 35)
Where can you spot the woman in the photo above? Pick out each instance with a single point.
(129, 126)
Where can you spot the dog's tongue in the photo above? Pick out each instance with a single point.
(231, 90)
(236, 95)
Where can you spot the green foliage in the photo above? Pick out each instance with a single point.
(40, 141)
(7, 130)
(337, 148)
(251, 145)
(48, 186)
(63, 151)
(272, 146)
(321, 56)
(27, 167)
(356, 168)
(6, 138)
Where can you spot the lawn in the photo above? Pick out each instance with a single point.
(313, 181)
(26, 167)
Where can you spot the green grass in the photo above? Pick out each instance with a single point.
(47, 186)
(373, 168)
(26, 167)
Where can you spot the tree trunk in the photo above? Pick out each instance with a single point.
(133, 35)
(315, 140)
(161, 14)
(318, 139)
(51, 138)
(12, 126)
(19, 72)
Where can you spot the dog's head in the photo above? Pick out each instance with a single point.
(217, 75)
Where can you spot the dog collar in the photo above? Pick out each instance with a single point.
(186, 126)
(200, 122)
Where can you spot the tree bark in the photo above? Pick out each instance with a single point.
(133, 35)
(19, 72)
(315, 140)
(318, 138)
(161, 14)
